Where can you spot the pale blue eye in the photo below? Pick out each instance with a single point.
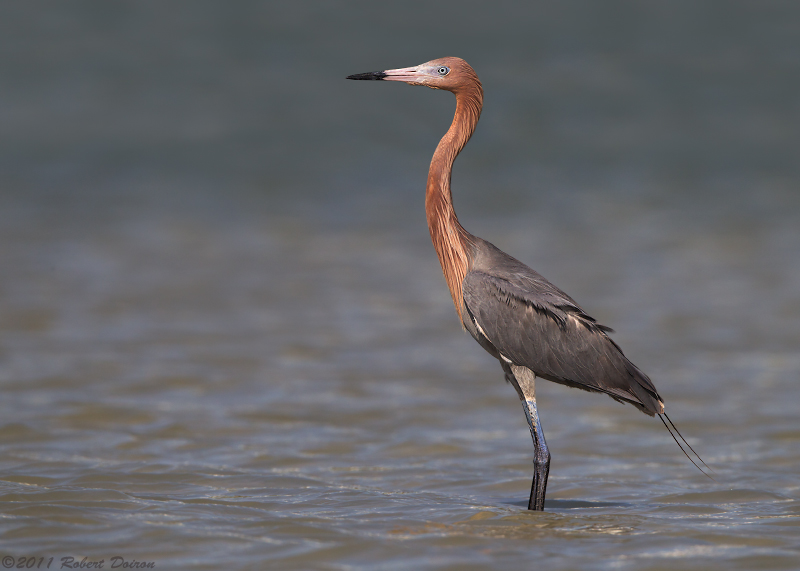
(443, 70)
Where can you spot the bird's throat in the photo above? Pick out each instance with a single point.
(451, 241)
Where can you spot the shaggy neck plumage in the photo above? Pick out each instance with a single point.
(449, 238)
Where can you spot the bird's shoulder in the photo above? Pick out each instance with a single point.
(495, 276)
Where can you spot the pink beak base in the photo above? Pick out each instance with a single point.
(407, 74)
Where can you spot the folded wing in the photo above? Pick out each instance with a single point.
(532, 323)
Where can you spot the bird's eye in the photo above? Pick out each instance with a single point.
(443, 71)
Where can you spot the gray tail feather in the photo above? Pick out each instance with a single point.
(644, 390)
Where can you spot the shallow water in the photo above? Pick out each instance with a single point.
(225, 341)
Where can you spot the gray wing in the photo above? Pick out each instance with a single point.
(530, 322)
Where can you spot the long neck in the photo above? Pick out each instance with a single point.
(449, 238)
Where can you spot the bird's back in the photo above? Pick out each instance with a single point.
(523, 319)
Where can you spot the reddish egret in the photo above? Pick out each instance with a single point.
(533, 328)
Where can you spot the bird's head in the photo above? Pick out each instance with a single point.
(448, 73)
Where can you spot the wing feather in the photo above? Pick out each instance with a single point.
(534, 324)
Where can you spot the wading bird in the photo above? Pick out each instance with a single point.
(533, 328)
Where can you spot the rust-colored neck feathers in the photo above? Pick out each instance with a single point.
(451, 241)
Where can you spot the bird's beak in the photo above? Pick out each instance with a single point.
(407, 74)
(373, 75)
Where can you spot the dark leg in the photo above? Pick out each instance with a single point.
(523, 380)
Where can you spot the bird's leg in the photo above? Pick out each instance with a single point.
(523, 381)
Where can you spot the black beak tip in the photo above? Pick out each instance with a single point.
(371, 75)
